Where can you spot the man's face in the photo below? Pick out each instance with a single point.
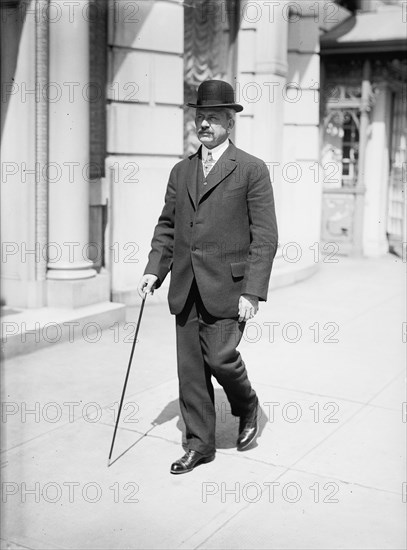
(212, 126)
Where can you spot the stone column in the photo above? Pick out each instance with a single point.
(301, 173)
(363, 139)
(41, 142)
(69, 142)
(376, 175)
(296, 140)
(261, 76)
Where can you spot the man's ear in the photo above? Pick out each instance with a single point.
(231, 124)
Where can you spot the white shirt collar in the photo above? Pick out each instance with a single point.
(217, 151)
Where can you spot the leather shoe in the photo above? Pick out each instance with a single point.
(248, 428)
(188, 462)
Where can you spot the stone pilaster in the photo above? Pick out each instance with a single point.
(69, 145)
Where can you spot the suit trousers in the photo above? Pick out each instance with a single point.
(206, 347)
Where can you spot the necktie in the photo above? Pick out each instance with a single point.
(208, 164)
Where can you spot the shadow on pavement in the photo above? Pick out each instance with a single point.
(227, 426)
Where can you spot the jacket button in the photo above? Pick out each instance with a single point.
(191, 224)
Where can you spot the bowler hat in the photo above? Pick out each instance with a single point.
(216, 93)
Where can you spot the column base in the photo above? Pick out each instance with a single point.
(72, 294)
(375, 249)
(70, 274)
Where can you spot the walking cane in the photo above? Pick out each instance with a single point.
(127, 377)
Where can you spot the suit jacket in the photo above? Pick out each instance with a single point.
(225, 236)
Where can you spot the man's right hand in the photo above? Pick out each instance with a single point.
(146, 285)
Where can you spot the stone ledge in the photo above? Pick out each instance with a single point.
(289, 275)
(29, 330)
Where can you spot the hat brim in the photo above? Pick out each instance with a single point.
(234, 106)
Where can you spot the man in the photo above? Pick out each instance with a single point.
(217, 234)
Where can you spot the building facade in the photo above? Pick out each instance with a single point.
(364, 129)
(94, 118)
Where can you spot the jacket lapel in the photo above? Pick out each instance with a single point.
(192, 176)
(224, 166)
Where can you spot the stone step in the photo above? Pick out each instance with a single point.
(25, 331)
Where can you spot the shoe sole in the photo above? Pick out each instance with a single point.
(204, 460)
(250, 441)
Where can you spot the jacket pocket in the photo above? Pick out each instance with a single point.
(238, 269)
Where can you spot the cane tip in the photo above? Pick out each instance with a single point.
(108, 462)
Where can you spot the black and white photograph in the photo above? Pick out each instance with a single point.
(203, 274)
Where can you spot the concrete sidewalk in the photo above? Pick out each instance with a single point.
(327, 359)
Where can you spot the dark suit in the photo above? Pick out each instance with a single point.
(218, 239)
